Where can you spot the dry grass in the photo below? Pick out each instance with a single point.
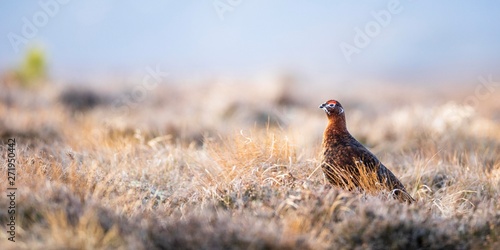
(183, 173)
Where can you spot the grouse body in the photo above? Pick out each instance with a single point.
(348, 164)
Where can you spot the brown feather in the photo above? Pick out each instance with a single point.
(348, 164)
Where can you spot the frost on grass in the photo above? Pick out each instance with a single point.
(172, 174)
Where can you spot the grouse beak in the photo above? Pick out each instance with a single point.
(324, 107)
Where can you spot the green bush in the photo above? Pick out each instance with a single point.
(33, 69)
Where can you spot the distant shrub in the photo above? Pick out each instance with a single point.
(79, 100)
(33, 69)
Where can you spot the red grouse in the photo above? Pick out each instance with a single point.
(348, 164)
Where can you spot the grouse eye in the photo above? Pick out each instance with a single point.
(331, 105)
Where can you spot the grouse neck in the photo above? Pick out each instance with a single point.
(336, 125)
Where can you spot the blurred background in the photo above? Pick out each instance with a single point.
(197, 65)
(422, 42)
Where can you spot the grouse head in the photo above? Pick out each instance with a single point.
(332, 109)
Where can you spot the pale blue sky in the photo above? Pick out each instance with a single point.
(436, 39)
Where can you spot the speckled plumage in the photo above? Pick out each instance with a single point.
(348, 164)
